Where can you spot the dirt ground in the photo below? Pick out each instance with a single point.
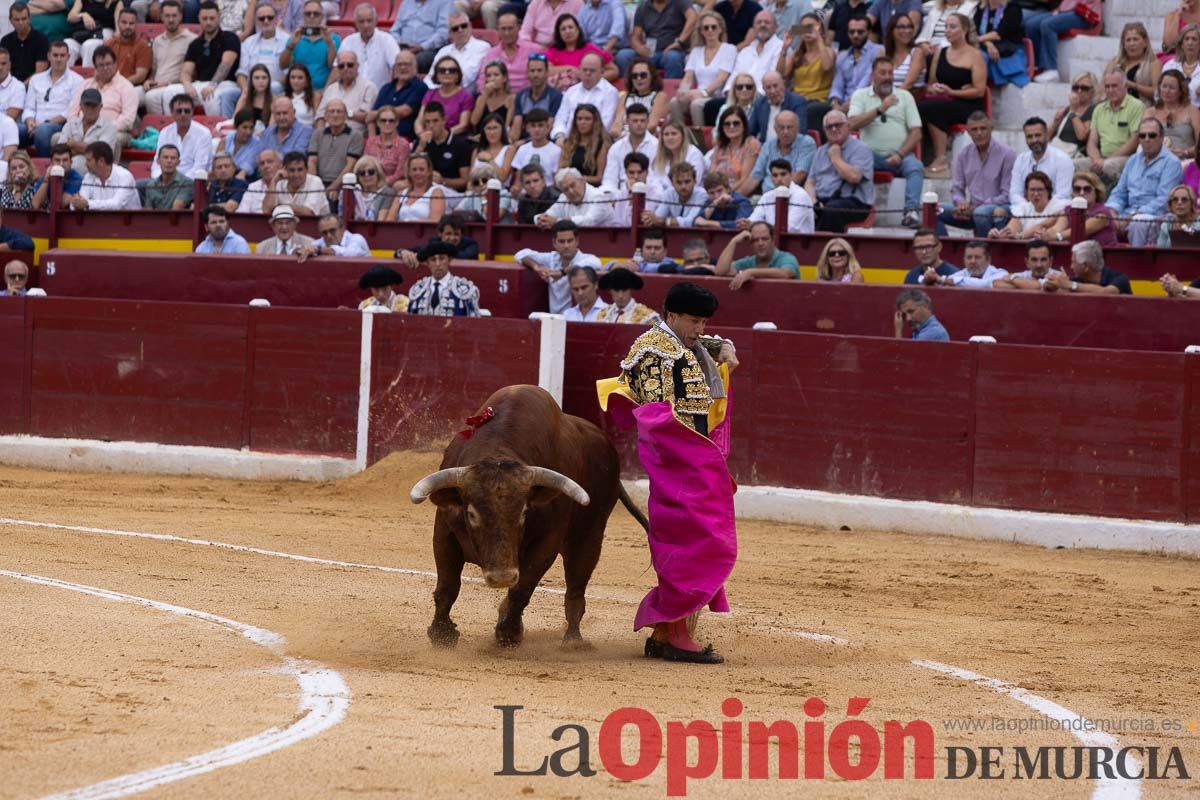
(93, 689)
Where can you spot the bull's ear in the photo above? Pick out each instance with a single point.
(450, 497)
(543, 495)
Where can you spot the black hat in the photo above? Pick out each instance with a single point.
(437, 248)
(621, 278)
(689, 298)
(380, 276)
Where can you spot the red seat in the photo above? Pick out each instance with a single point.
(883, 177)
(869, 222)
(86, 72)
(139, 169)
(488, 35)
(1095, 30)
(1029, 68)
(670, 86)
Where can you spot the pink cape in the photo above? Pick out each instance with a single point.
(693, 535)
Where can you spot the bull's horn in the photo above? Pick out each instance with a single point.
(556, 480)
(441, 479)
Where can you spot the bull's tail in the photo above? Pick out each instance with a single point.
(632, 508)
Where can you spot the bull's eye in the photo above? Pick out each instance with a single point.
(473, 517)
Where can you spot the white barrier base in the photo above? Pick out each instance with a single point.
(857, 512)
(89, 455)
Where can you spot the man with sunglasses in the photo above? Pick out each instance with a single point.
(464, 48)
(355, 92)
(264, 47)
(193, 140)
(335, 240)
(422, 27)
(1140, 198)
(16, 279)
(842, 177)
(376, 52)
(47, 101)
(513, 52)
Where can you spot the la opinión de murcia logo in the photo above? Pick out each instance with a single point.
(738, 749)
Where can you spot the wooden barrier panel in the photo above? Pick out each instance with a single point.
(304, 380)
(325, 282)
(14, 403)
(428, 374)
(1191, 433)
(1080, 431)
(151, 372)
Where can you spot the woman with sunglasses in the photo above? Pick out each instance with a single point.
(1180, 118)
(908, 60)
(674, 148)
(586, 145)
(313, 45)
(1072, 123)
(20, 188)
(743, 95)
(706, 71)
(257, 97)
(493, 149)
(1098, 222)
(838, 264)
(388, 147)
(1187, 62)
(1039, 216)
(298, 87)
(423, 200)
(1181, 205)
(811, 66)
(373, 197)
(643, 87)
(570, 46)
(496, 99)
(735, 151)
(457, 101)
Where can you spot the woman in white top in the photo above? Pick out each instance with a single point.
(493, 149)
(643, 86)
(933, 32)
(1038, 216)
(673, 148)
(706, 72)
(424, 200)
(908, 59)
(298, 88)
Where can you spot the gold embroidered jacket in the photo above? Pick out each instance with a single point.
(635, 313)
(658, 367)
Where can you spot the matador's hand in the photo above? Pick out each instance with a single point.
(728, 356)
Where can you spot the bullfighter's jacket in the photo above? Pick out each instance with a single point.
(459, 299)
(635, 313)
(659, 367)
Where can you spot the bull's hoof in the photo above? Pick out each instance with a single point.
(576, 643)
(509, 635)
(443, 635)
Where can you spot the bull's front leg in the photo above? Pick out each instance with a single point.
(534, 565)
(449, 559)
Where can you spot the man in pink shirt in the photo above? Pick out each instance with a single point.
(119, 95)
(513, 52)
(541, 16)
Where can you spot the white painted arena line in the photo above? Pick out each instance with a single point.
(324, 699)
(1106, 788)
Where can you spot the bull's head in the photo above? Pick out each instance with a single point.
(492, 498)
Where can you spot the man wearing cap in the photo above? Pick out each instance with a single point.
(88, 127)
(285, 242)
(441, 294)
(672, 388)
(380, 281)
(624, 309)
(587, 303)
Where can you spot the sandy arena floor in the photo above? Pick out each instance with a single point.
(94, 689)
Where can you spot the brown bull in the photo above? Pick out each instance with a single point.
(529, 484)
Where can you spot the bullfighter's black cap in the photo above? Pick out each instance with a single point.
(437, 248)
(380, 276)
(690, 298)
(621, 278)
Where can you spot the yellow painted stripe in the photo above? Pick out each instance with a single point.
(138, 245)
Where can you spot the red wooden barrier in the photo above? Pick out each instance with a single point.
(428, 374)
(1191, 437)
(1079, 431)
(14, 404)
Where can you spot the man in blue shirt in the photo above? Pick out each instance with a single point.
(220, 238)
(404, 94)
(852, 69)
(603, 22)
(285, 135)
(725, 206)
(1140, 198)
(914, 307)
(788, 144)
(423, 27)
(927, 247)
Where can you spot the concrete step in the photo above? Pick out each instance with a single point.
(1115, 21)
(1151, 12)
(1087, 54)
(1012, 105)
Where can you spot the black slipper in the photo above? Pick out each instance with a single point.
(653, 648)
(669, 652)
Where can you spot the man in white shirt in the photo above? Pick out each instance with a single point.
(580, 202)
(268, 168)
(376, 53)
(539, 148)
(553, 266)
(294, 186)
(47, 101)
(637, 167)
(356, 93)
(335, 241)
(759, 57)
(264, 47)
(193, 139)
(637, 117)
(12, 91)
(977, 272)
(107, 186)
(592, 88)
(682, 203)
(463, 48)
(1043, 158)
(585, 295)
(800, 217)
